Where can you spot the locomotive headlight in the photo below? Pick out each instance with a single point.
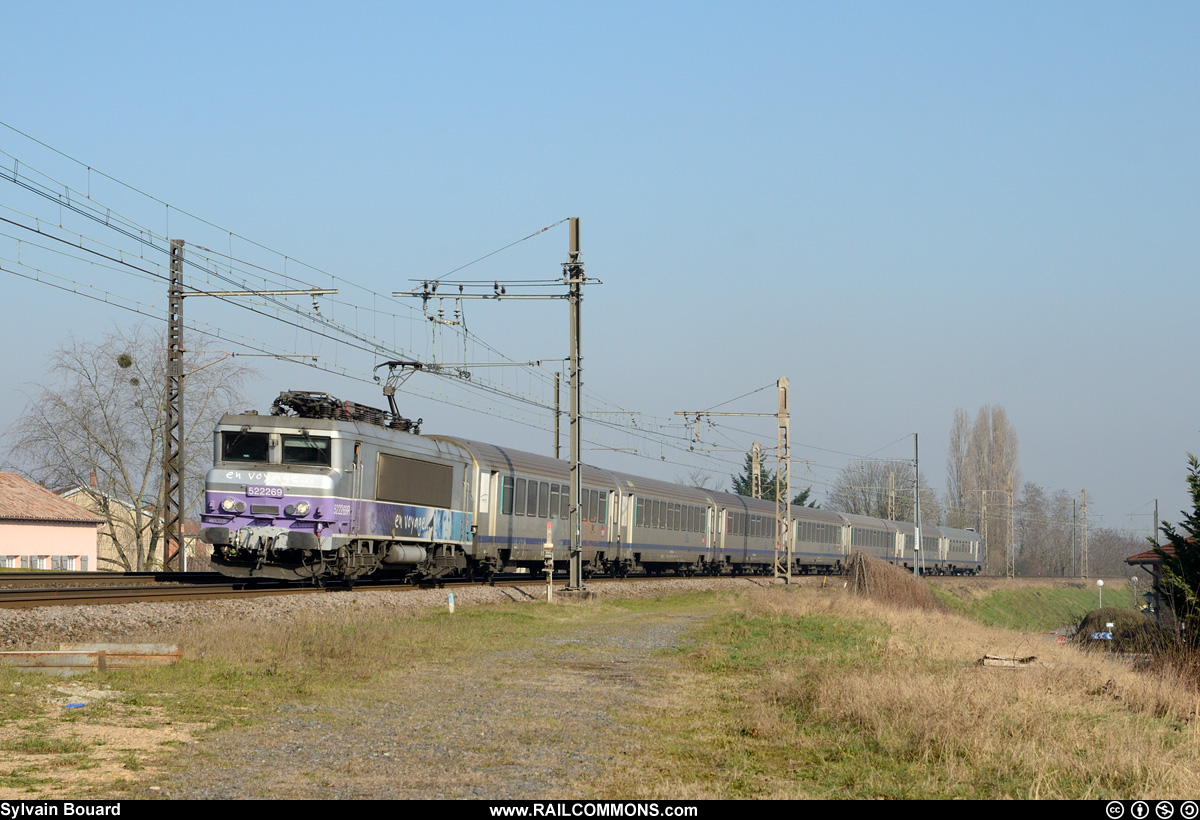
(302, 508)
(228, 504)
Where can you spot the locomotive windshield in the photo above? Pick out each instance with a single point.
(244, 446)
(306, 450)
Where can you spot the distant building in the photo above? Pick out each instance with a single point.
(116, 539)
(1151, 562)
(121, 523)
(40, 530)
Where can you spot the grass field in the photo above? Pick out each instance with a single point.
(1029, 604)
(772, 693)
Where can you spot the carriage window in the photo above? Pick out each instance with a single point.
(603, 508)
(564, 500)
(519, 497)
(306, 450)
(531, 499)
(244, 446)
(543, 500)
(506, 495)
(554, 500)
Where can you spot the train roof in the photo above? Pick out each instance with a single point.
(965, 535)
(868, 521)
(504, 459)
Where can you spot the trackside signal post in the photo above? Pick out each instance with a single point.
(574, 278)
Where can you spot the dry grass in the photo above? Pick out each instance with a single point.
(888, 584)
(827, 695)
(1132, 632)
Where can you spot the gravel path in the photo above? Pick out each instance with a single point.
(514, 724)
(517, 725)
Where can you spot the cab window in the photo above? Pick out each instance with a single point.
(244, 447)
(306, 450)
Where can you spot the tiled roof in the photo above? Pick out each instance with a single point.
(21, 499)
(1150, 556)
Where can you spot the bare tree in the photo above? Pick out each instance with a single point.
(883, 489)
(699, 478)
(1107, 550)
(980, 470)
(1043, 531)
(100, 425)
(960, 480)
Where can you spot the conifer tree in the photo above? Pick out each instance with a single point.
(1180, 581)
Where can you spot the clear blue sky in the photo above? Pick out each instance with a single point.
(904, 208)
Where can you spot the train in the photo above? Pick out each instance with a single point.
(325, 490)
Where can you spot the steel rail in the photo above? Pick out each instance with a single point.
(27, 578)
(89, 596)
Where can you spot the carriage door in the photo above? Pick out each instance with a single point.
(356, 489)
(707, 532)
(605, 516)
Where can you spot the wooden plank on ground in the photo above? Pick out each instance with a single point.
(1009, 661)
(61, 663)
(125, 655)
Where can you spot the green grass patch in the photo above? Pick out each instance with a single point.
(22, 779)
(38, 745)
(1034, 609)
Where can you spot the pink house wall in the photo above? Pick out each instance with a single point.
(49, 539)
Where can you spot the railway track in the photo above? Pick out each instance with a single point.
(27, 597)
(28, 594)
(10, 580)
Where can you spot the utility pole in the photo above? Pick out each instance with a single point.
(1084, 547)
(1012, 541)
(173, 437)
(916, 508)
(756, 470)
(574, 278)
(783, 488)
(983, 503)
(783, 477)
(172, 506)
(557, 414)
(892, 495)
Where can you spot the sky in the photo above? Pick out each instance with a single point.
(904, 209)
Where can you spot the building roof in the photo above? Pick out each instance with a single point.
(22, 500)
(1152, 557)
